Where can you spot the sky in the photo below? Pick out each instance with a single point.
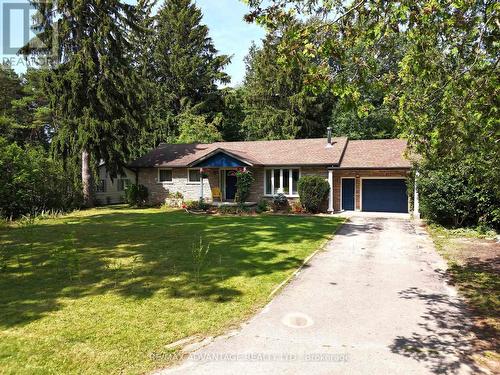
(230, 33)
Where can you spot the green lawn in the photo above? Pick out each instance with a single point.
(104, 290)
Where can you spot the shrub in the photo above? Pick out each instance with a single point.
(297, 207)
(280, 203)
(233, 210)
(244, 181)
(447, 196)
(312, 191)
(262, 206)
(196, 205)
(136, 195)
(31, 182)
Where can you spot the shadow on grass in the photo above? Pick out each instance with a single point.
(139, 254)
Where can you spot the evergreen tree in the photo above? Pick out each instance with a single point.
(185, 67)
(24, 114)
(276, 103)
(92, 86)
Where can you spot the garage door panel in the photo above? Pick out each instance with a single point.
(384, 195)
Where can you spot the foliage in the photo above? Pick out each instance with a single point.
(196, 128)
(280, 202)
(136, 195)
(448, 195)
(183, 69)
(262, 206)
(433, 64)
(226, 209)
(276, 104)
(92, 87)
(196, 205)
(31, 182)
(176, 195)
(297, 207)
(244, 181)
(25, 117)
(313, 191)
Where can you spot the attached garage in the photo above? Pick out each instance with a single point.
(384, 195)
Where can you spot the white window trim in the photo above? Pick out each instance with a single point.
(193, 182)
(165, 182)
(290, 180)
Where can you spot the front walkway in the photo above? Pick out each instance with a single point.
(374, 303)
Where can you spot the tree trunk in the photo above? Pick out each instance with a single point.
(88, 197)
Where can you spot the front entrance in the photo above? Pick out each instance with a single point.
(348, 185)
(230, 184)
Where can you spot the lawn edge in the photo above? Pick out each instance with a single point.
(234, 327)
(322, 247)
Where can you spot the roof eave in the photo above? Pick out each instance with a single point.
(216, 151)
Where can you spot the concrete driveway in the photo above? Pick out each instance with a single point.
(375, 302)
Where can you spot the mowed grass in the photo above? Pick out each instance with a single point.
(105, 290)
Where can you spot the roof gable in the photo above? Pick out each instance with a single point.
(219, 159)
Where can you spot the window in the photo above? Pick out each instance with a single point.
(281, 180)
(194, 175)
(123, 183)
(101, 186)
(269, 183)
(164, 175)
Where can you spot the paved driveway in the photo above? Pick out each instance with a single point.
(374, 302)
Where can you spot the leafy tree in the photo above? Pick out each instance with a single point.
(92, 86)
(434, 63)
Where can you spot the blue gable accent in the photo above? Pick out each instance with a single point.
(220, 160)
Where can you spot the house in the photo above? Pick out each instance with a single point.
(365, 175)
(110, 191)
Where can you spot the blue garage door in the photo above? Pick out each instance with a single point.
(348, 194)
(384, 195)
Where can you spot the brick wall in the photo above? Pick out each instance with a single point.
(358, 174)
(191, 191)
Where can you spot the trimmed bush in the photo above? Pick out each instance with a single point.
(262, 206)
(280, 203)
(136, 195)
(313, 190)
(243, 183)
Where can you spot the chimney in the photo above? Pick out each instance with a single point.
(329, 135)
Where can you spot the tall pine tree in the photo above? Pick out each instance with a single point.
(185, 67)
(91, 88)
(276, 102)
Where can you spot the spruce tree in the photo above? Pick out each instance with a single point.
(185, 67)
(92, 86)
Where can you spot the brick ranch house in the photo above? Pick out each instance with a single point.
(364, 175)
